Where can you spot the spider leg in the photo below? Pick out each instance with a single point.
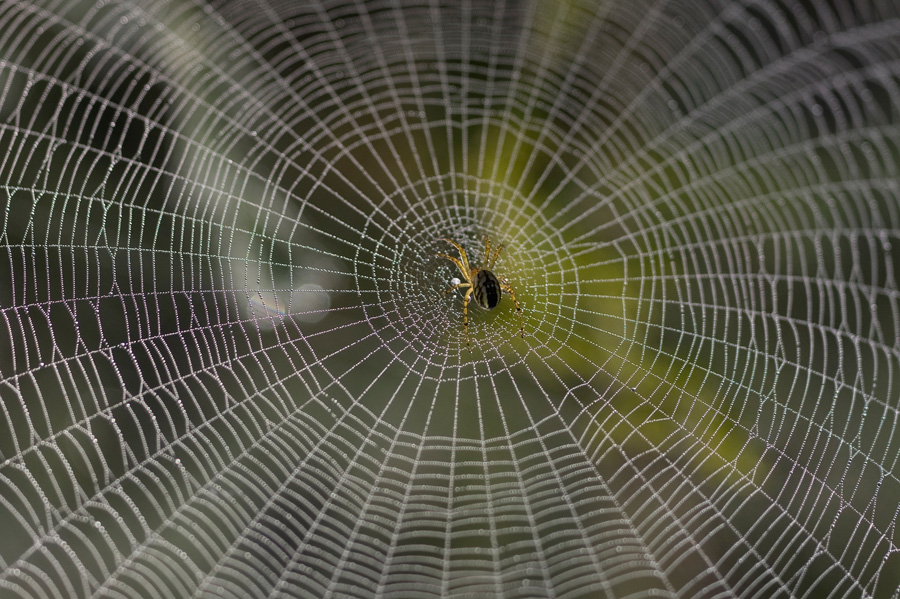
(454, 287)
(458, 264)
(512, 294)
(490, 260)
(495, 256)
(466, 315)
(462, 253)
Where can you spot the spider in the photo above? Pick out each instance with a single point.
(480, 283)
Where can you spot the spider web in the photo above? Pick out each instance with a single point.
(226, 369)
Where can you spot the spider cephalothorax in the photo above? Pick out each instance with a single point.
(481, 283)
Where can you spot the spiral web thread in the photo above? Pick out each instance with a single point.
(226, 369)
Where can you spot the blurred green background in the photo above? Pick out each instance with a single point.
(226, 368)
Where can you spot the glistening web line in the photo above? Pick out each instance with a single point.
(227, 369)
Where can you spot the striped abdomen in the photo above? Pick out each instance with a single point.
(486, 289)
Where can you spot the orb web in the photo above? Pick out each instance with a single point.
(227, 367)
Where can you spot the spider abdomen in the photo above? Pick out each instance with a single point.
(486, 289)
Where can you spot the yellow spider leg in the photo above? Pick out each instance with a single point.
(462, 253)
(459, 265)
(466, 315)
(487, 253)
(512, 294)
(494, 258)
(457, 286)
